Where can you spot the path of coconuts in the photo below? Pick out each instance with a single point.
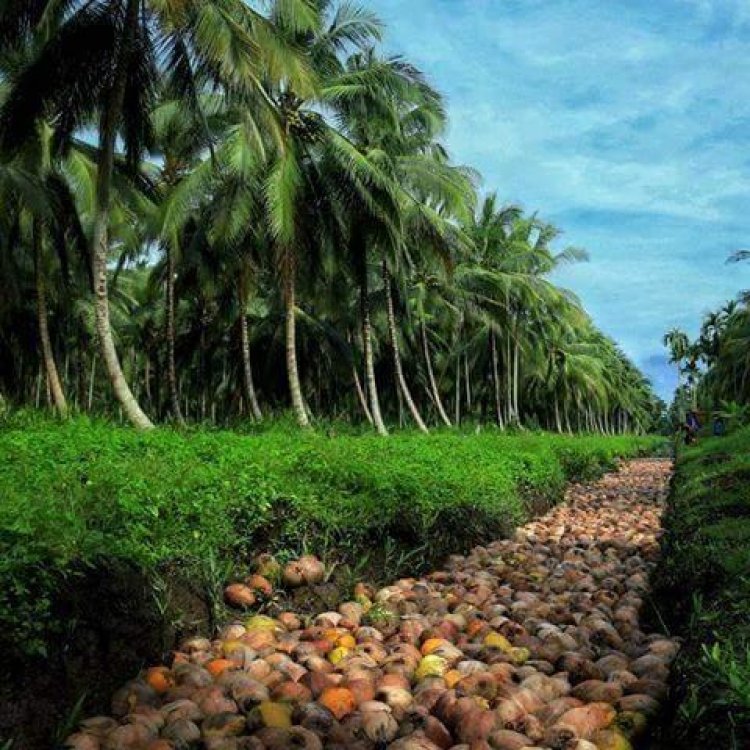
(533, 642)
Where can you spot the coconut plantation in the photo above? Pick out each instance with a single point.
(356, 392)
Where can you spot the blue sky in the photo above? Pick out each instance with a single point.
(624, 122)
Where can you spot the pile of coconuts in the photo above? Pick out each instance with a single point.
(527, 643)
(308, 570)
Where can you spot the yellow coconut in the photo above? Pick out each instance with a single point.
(611, 739)
(261, 622)
(495, 640)
(276, 715)
(338, 655)
(431, 666)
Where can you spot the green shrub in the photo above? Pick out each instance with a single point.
(75, 494)
(702, 588)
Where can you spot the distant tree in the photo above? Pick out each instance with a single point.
(678, 344)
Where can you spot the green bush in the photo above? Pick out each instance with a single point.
(76, 494)
(702, 589)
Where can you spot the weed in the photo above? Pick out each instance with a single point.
(66, 727)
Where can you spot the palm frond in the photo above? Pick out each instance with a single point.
(281, 190)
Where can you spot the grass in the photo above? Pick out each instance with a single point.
(79, 495)
(703, 587)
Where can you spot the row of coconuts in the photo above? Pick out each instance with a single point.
(308, 570)
(521, 645)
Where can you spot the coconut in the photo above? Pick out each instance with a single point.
(529, 642)
(239, 595)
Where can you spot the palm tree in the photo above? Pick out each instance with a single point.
(678, 343)
(418, 190)
(725, 347)
(299, 216)
(738, 256)
(104, 59)
(38, 195)
(180, 141)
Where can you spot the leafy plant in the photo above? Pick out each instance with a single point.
(703, 590)
(74, 495)
(70, 722)
(729, 668)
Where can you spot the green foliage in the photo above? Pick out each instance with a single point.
(79, 493)
(735, 415)
(730, 668)
(247, 199)
(704, 580)
(715, 365)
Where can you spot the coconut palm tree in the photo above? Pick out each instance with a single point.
(402, 129)
(103, 59)
(39, 196)
(678, 344)
(271, 217)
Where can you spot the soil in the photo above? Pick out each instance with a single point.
(111, 625)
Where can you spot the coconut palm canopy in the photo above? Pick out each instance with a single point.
(215, 210)
(716, 366)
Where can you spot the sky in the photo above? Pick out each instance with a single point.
(624, 122)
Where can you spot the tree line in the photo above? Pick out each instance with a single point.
(713, 371)
(215, 210)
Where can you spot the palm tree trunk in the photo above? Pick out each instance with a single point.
(431, 375)
(509, 381)
(397, 364)
(292, 368)
(496, 381)
(38, 387)
(372, 386)
(558, 423)
(247, 366)
(467, 383)
(600, 425)
(100, 243)
(358, 387)
(134, 372)
(361, 395)
(458, 390)
(308, 410)
(516, 378)
(81, 370)
(92, 380)
(174, 395)
(48, 357)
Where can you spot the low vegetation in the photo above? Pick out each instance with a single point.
(77, 493)
(114, 543)
(703, 591)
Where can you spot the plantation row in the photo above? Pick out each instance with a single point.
(106, 528)
(269, 219)
(702, 592)
(80, 491)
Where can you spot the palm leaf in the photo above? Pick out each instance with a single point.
(281, 191)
